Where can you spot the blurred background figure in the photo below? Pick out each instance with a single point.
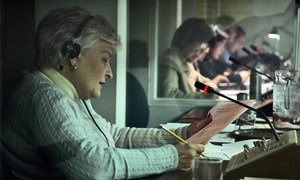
(177, 73)
(212, 66)
(234, 43)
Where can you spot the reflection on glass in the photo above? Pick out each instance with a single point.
(286, 99)
(247, 24)
(177, 74)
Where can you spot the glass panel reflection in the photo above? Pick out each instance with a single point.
(257, 33)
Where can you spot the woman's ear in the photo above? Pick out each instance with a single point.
(74, 63)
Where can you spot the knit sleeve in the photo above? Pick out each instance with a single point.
(138, 137)
(60, 136)
(144, 137)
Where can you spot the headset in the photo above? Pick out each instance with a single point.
(106, 139)
(71, 49)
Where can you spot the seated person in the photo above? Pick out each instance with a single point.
(52, 130)
(236, 40)
(233, 44)
(176, 71)
(212, 67)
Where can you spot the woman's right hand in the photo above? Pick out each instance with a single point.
(187, 153)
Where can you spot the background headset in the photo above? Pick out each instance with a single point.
(70, 49)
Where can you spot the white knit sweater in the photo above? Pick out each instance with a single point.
(50, 135)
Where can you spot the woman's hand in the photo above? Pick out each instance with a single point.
(196, 126)
(187, 153)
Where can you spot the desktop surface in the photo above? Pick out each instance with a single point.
(177, 175)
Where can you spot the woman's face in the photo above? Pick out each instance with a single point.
(196, 52)
(217, 51)
(93, 70)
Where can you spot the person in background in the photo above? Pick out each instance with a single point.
(212, 66)
(52, 130)
(228, 24)
(235, 41)
(176, 70)
(231, 48)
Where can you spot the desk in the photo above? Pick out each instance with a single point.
(176, 175)
(272, 159)
(172, 175)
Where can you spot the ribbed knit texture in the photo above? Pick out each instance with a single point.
(50, 135)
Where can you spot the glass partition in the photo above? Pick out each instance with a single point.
(268, 29)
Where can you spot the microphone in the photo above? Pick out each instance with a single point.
(256, 48)
(252, 69)
(208, 89)
(247, 51)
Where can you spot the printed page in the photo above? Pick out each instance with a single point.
(222, 114)
(226, 151)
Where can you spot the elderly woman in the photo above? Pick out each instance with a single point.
(177, 73)
(53, 131)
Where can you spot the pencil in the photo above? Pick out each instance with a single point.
(179, 138)
(174, 135)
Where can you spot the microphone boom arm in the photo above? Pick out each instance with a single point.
(251, 108)
(252, 69)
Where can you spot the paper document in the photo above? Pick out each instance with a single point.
(222, 138)
(175, 125)
(215, 151)
(222, 115)
(237, 147)
(226, 151)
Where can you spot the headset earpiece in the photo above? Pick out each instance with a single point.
(70, 50)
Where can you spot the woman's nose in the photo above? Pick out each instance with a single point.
(109, 73)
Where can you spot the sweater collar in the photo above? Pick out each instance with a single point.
(61, 82)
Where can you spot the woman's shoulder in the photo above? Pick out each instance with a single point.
(35, 85)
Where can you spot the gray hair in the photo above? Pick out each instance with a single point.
(60, 25)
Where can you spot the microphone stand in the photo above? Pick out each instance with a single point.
(251, 108)
(252, 69)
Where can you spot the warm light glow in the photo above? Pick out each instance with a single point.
(274, 36)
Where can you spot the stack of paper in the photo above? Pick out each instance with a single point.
(226, 151)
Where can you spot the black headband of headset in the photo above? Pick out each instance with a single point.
(70, 49)
(81, 26)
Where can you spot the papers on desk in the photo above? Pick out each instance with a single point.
(226, 151)
(255, 126)
(223, 114)
(222, 138)
(175, 125)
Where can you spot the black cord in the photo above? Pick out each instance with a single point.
(95, 121)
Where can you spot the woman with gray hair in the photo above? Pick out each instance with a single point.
(53, 132)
